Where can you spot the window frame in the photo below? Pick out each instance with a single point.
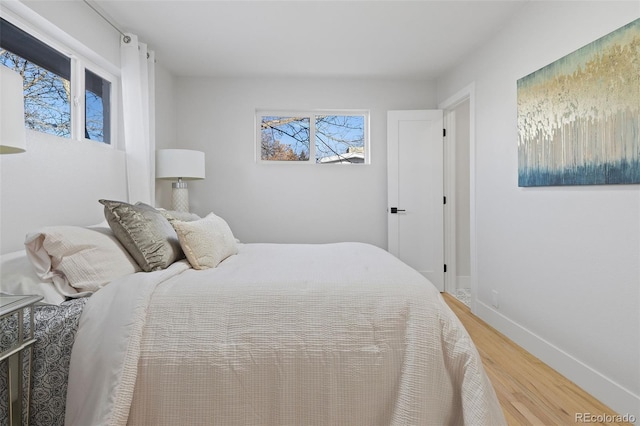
(82, 101)
(78, 54)
(311, 115)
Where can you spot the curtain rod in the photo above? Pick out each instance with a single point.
(125, 37)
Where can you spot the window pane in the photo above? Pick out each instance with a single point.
(284, 138)
(97, 108)
(46, 73)
(339, 139)
(47, 101)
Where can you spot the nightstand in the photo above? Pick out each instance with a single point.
(16, 306)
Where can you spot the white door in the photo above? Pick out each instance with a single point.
(415, 191)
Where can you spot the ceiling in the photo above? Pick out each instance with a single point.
(417, 39)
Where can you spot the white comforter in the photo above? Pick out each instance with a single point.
(277, 335)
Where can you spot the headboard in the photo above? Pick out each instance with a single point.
(56, 182)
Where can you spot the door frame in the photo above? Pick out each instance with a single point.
(448, 106)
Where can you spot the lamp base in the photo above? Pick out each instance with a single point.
(180, 197)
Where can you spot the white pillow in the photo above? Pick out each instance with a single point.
(206, 242)
(78, 260)
(19, 278)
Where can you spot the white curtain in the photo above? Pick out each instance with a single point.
(138, 109)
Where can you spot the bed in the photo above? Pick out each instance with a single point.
(197, 328)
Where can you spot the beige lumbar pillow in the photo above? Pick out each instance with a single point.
(206, 242)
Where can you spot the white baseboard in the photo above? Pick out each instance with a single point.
(616, 397)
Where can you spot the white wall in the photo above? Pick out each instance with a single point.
(56, 181)
(166, 132)
(291, 202)
(565, 260)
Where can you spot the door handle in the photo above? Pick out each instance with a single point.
(395, 210)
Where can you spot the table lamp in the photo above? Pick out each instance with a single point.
(179, 165)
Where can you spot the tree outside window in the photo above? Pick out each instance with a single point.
(47, 96)
(338, 138)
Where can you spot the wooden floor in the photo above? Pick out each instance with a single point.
(530, 392)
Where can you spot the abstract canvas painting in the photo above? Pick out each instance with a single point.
(579, 117)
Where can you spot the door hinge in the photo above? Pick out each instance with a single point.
(444, 132)
(445, 267)
(444, 200)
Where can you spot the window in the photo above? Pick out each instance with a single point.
(338, 137)
(97, 108)
(50, 101)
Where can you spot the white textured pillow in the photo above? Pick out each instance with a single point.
(18, 278)
(206, 242)
(78, 259)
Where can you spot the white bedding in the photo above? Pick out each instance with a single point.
(277, 335)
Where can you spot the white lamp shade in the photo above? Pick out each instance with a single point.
(179, 163)
(12, 133)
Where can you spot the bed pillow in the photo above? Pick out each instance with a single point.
(206, 242)
(19, 278)
(77, 259)
(144, 232)
(172, 215)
